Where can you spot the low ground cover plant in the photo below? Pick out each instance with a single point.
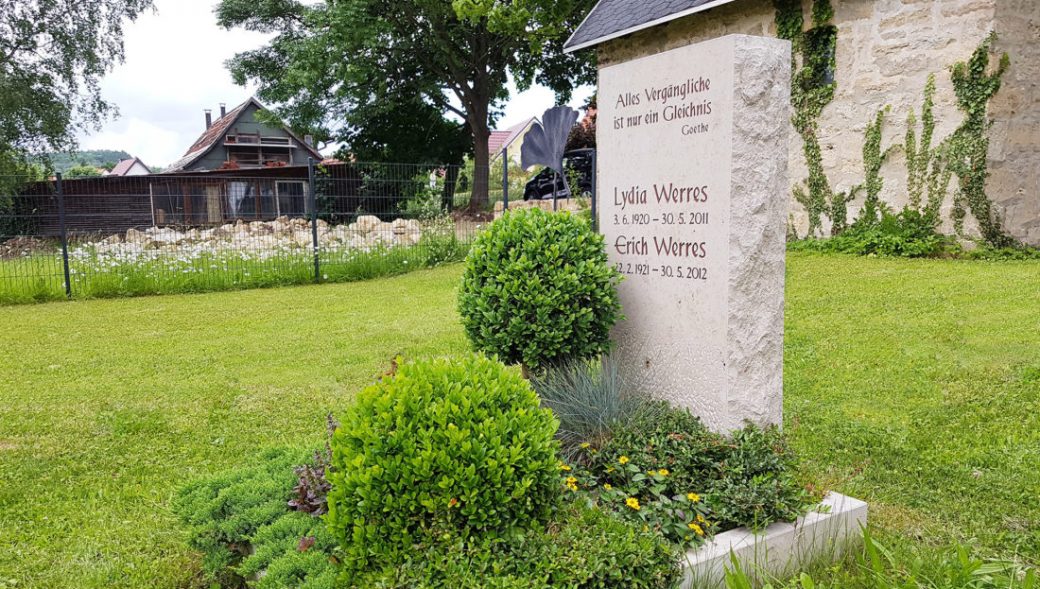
(907, 234)
(537, 290)
(583, 548)
(665, 469)
(659, 466)
(248, 533)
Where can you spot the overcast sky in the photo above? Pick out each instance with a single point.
(175, 68)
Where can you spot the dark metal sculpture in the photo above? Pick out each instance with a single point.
(545, 143)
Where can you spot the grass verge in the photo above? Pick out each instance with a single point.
(912, 384)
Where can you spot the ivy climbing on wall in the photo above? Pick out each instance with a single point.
(926, 167)
(930, 169)
(873, 158)
(812, 89)
(968, 146)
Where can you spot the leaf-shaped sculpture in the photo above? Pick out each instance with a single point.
(546, 141)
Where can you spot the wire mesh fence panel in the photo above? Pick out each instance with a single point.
(196, 232)
(31, 265)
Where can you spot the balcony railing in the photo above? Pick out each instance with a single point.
(253, 140)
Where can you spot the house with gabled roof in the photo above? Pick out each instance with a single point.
(130, 167)
(238, 139)
(509, 140)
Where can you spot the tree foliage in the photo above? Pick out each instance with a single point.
(52, 56)
(386, 76)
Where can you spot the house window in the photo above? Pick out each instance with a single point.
(241, 201)
(291, 199)
(268, 206)
(245, 158)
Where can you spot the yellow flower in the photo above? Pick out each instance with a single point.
(696, 529)
(633, 503)
(585, 445)
(623, 460)
(663, 472)
(693, 497)
(700, 518)
(607, 486)
(572, 483)
(565, 467)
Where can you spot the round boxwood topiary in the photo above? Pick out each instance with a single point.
(442, 449)
(537, 290)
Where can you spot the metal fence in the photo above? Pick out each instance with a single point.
(193, 232)
(114, 236)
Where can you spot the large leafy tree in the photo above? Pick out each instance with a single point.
(52, 56)
(333, 63)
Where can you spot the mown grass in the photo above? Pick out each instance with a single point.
(915, 385)
(912, 384)
(108, 406)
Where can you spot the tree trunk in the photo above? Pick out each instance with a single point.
(478, 201)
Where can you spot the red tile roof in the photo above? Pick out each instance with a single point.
(500, 140)
(218, 129)
(124, 166)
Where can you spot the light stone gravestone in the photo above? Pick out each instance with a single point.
(692, 177)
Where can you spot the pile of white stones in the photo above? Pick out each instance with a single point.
(279, 235)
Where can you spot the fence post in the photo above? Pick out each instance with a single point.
(64, 236)
(505, 180)
(312, 199)
(592, 197)
(557, 176)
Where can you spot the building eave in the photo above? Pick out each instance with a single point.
(568, 48)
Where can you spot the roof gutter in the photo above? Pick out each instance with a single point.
(568, 48)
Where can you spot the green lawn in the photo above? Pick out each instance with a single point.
(912, 384)
(915, 385)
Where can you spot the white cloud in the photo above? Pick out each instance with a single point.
(534, 101)
(175, 68)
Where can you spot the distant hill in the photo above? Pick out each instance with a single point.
(91, 157)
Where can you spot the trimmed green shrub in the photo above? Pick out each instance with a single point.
(537, 290)
(441, 449)
(584, 548)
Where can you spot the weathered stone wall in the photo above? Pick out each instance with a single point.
(886, 51)
(1015, 138)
